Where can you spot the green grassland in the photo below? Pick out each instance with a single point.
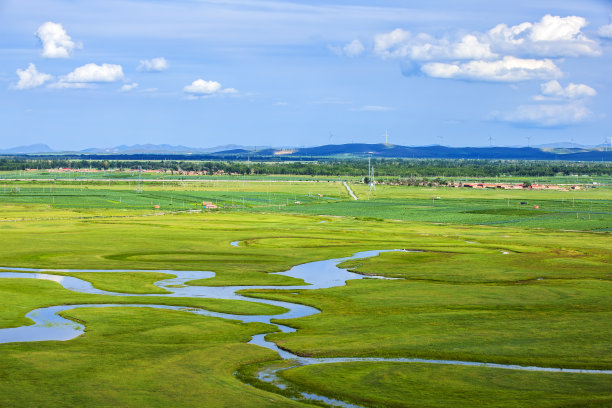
(132, 357)
(133, 176)
(587, 209)
(429, 386)
(545, 302)
(171, 196)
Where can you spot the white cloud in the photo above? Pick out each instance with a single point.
(393, 44)
(504, 53)
(605, 31)
(153, 65)
(85, 75)
(549, 115)
(95, 73)
(55, 41)
(556, 28)
(31, 78)
(552, 36)
(423, 47)
(352, 49)
(553, 89)
(128, 87)
(470, 47)
(508, 69)
(203, 88)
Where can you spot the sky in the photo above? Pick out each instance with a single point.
(76, 74)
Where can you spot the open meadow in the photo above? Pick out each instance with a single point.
(480, 278)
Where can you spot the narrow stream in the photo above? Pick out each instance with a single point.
(48, 325)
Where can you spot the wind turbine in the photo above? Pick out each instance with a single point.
(386, 137)
(528, 141)
(490, 140)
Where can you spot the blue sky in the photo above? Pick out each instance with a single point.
(100, 73)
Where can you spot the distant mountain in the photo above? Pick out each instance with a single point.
(562, 145)
(382, 150)
(162, 149)
(29, 149)
(350, 150)
(388, 150)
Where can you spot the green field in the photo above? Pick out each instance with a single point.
(493, 281)
(586, 209)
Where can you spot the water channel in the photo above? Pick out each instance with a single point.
(48, 325)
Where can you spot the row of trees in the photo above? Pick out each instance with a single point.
(383, 167)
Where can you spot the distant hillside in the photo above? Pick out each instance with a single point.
(382, 150)
(341, 151)
(158, 149)
(34, 148)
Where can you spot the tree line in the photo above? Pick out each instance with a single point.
(354, 167)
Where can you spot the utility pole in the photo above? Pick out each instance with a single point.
(139, 179)
(371, 175)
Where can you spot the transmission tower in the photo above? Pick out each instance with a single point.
(371, 175)
(139, 179)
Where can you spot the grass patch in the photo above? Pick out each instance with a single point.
(133, 357)
(442, 386)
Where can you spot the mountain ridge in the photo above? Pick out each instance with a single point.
(330, 151)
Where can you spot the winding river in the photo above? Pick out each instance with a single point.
(48, 325)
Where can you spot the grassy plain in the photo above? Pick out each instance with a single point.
(131, 357)
(442, 386)
(546, 302)
(587, 209)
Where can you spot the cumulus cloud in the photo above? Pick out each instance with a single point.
(95, 73)
(153, 65)
(504, 53)
(86, 75)
(552, 36)
(203, 88)
(560, 106)
(606, 30)
(30, 78)
(352, 49)
(55, 41)
(393, 44)
(423, 47)
(128, 87)
(548, 115)
(553, 89)
(508, 69)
